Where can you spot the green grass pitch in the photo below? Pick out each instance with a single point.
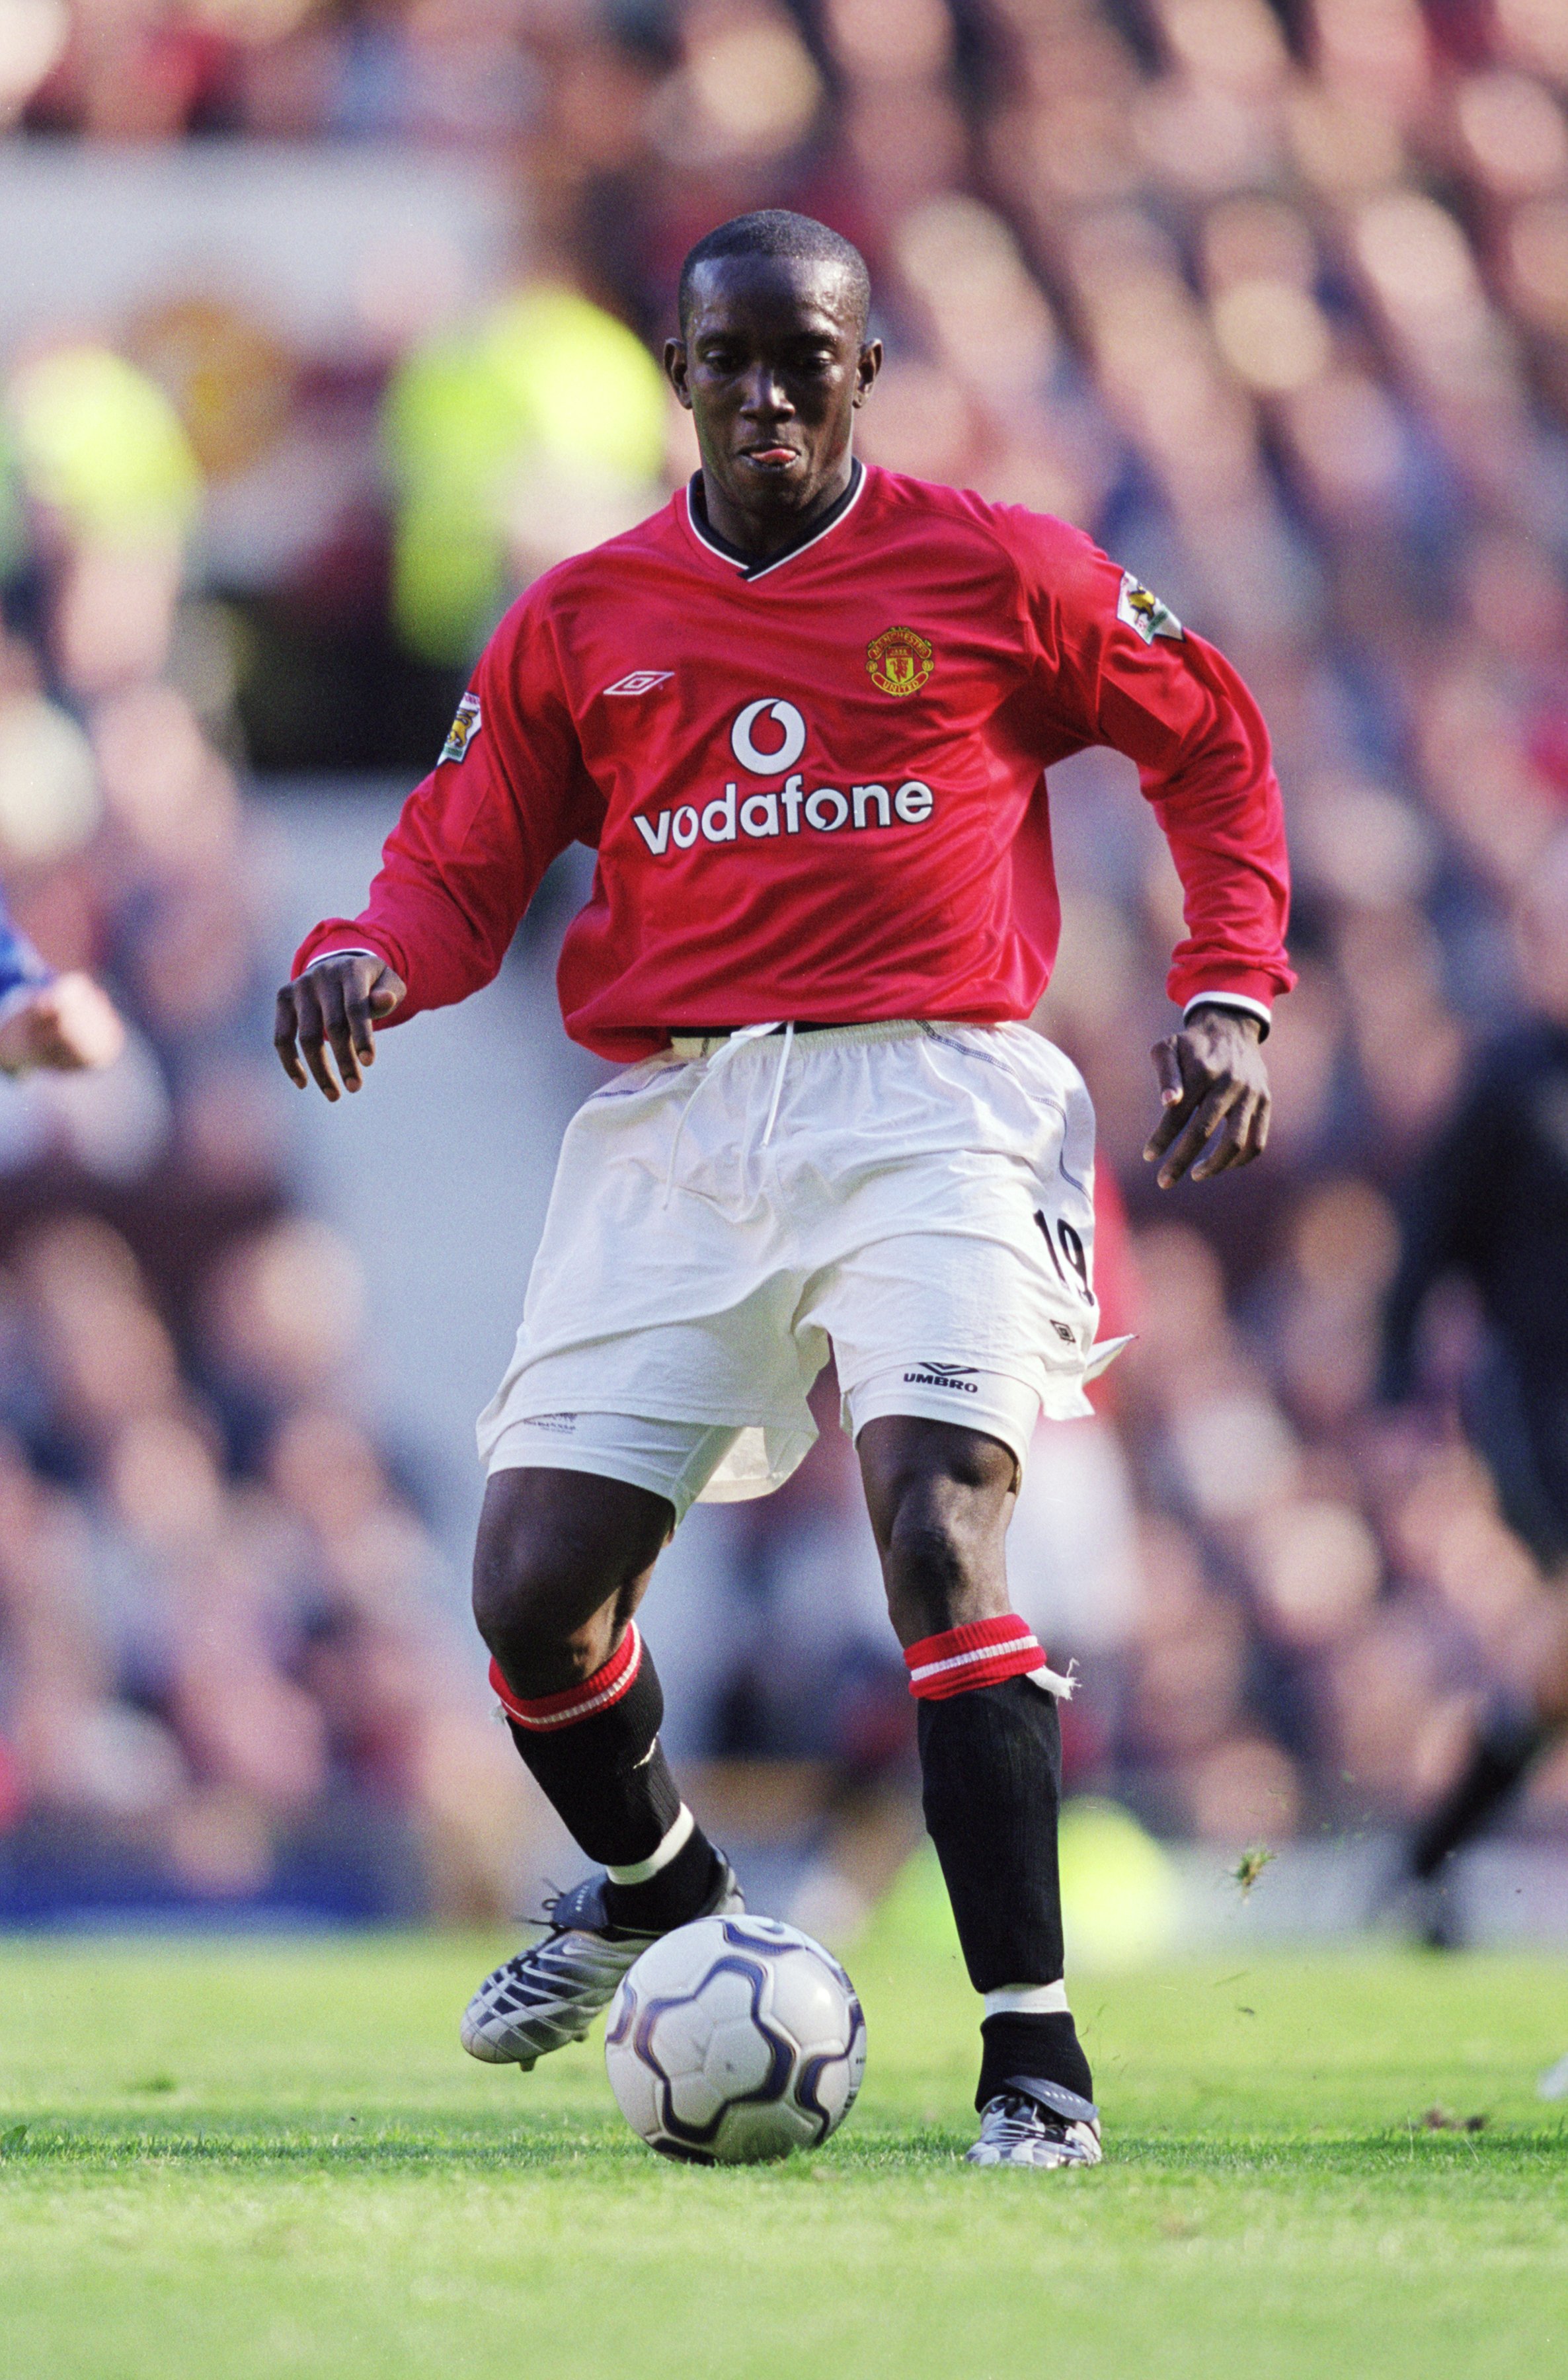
(273, 2159)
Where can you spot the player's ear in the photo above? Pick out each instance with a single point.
(675, 369)
(867, 369)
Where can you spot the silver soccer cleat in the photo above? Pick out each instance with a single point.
(1031, 2122)
(551, 1993)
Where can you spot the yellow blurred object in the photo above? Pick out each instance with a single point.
(548, 388)
(587, 387)
(1120, 1895)
(99, 441)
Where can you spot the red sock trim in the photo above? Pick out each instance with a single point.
(596, 1693)
(981, 1653)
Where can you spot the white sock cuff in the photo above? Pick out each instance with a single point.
(1028, 1999)
(643, 1871)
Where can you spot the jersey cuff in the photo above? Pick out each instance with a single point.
(1248, 1006)
(342, 951)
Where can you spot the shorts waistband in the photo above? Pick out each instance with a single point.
(703, 1045)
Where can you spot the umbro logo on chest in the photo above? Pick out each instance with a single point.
(639, 682)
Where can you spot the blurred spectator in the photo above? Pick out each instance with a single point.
(207, 1658)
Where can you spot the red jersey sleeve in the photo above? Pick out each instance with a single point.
(508, 794)
(1118, 669)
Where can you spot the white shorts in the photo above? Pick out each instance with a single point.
(917, 1196)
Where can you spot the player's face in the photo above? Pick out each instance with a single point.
(771, 368)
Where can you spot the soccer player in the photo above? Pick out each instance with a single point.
(803, 716)
(1489, 1201)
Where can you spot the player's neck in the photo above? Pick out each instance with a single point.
(758, 535)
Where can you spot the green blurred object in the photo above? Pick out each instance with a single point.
(914, 1914)
(546, 379)
(99, 441)
(1121, 1894)
(13, 534)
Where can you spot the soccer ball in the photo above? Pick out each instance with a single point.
(734, 2040)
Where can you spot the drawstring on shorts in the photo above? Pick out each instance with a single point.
(778, 1082)
(710, 1066)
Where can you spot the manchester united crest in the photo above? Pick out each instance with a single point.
(899, 660)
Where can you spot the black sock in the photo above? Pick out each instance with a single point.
(1044, 2046)
(1508, 1742)
(609, 1783)
(672, 1898)
(991, 1764)
(991, 1761)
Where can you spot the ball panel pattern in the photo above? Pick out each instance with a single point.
(736, 2039)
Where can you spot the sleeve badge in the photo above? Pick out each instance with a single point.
(1146, 612)
(464, 727)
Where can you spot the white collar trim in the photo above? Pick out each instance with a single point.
(748, 574)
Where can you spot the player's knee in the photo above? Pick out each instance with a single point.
(940, 1498)
(930, 1548)
(511, 1608)
(549, 1593)
(529, 1607)
(942, 1564)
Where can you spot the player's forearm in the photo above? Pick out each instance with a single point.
(1228, 846)
(1191, 725)
(457, 871)
(1218, 803)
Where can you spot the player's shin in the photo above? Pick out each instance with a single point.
(990, 1759)
(595, 1755)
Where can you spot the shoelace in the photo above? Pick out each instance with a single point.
(1011, 2120)
(550, 1972)
(711, 1066)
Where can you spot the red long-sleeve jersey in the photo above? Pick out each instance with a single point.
(816, 783)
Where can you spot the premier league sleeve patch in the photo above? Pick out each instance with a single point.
(1146, 612)
(467, 726)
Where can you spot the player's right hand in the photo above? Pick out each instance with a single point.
(336, 1004)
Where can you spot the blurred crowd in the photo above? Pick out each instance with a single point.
(230, 1668)
(1274, 300)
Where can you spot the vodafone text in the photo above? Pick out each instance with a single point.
(761, 815)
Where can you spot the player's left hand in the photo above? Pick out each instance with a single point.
(335, 1005)
(66, 1024)
(1214, 1089)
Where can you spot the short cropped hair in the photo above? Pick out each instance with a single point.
(775, 231)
